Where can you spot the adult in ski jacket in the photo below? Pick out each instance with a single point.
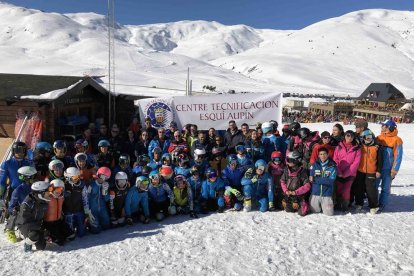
(9, 171)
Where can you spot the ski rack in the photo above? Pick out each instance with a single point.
(17, 139)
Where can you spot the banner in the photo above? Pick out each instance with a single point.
(212, 110)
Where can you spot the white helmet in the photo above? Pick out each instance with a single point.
(27, 174)
(39, 189)
(55, 164)
(72, 175)
(56, 187)
(57, 183)
(199, 153)
(266, 127)
(121, 180)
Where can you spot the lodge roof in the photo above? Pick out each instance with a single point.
(382, 92)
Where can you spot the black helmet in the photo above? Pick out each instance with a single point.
(274, 124)
(146, 170)
(294, 127)
(124, 160)
(304, 132)
(294, 157)
(19, 147)
(143, 159)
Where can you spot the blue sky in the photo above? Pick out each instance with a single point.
(276, 14)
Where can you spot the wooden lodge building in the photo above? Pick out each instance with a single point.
(65, 104)
(378, 102)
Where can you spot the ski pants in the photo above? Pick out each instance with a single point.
(35, 236)
(366, 183)
(159, 206)
(211, 204)
(343, 188)
(295, 203)
(262, 203)
(102, 220)
(76, 221)
(322, 204)
(385, 183)
(58, 230)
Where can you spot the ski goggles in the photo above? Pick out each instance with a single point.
(212, 175)
(102, 176)
(194, 172)
(81, 158)
(75, 178)
(240, 148)
(154, 177)
(57, 167)
(291, 160)
(262, 168)
(368, 138)
(55, 189)
(122, 182)
(276, 159)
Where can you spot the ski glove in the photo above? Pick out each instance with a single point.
(90, 217)
(105, 187)
(249, 173)
(254, 179)
(235, 192)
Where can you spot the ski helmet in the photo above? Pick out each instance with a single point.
(143, 160)
(27, 174)
(231, 159)
(121, 180)
(72, 175)
(304, 132)
(19, 148)
(180, 180)
(294, 157)
(199, 153)
(157, 150)
(368, 137)
(146, 170)
(165, 156)
(56, 187)
(56, 165)
(166, 172)
(276, 156)
(294, 127)
(240, 148)
(194, 170)
(266, 127)
(80, 159)
(59, 148)
(104, 143)
(154, 175)
(274, 124)
(124, 161)
(216, 152)
(182, 158)
(103, 173)
(39, 189)
(260, 165)
(142, 183)
(43, 148)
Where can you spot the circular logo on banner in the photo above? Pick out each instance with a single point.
(160, 113)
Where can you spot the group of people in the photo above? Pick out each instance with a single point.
(105, 181)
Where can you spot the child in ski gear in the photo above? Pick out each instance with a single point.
(166, 160)
(137, 201)
(254, 146)
(155, 162)
(195, 184)
(258, 188)
(166, 173)
(86, 169)
(183, 165)
(276, 169)
(117, 196)
(200, 161)
(59, 148)
(212, 192)
(295, 185)
(232, 173)
(183, 197)
(392, 153)
(97, 214)
(42, 158)
(270, 142)
(368, 171)
(75, 201)
(243, 159)
(325, 141)
(53, 221)
(142, 161)
(308, 141)
(161, 197)
(347, 156)
(104, 158)
(30, 217)
(322, 176)
(27, 176)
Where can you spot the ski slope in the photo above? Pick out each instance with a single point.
(252, 243)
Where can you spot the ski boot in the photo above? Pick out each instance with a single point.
(247, 205)
(11, 235)
(27, 247)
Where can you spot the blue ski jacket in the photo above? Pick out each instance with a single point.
(18, 196)
(134, 199)
(9, 171)
(232, 177)
(324, 175)
(160, 193)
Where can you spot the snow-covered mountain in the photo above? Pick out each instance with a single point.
(339, 55)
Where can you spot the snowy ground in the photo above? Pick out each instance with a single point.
(244, 243)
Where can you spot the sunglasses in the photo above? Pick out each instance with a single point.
(349, 135)
(326, 137)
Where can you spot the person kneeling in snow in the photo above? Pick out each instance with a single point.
(212, 192)
(97, 213)
(183, 196)
(59, 231)
(137, 197)
(117, 197)
(161, 197)
(295, 185)
(258, 188)
(322, 176)
(30, 218)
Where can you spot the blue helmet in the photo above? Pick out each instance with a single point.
(104, 143)
(390, 124)
(260, 164)
(43, 147)
(232, 158)
(211, 172)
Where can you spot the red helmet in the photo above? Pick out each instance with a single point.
(103, 173)
(276, 154)
(166, 172)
